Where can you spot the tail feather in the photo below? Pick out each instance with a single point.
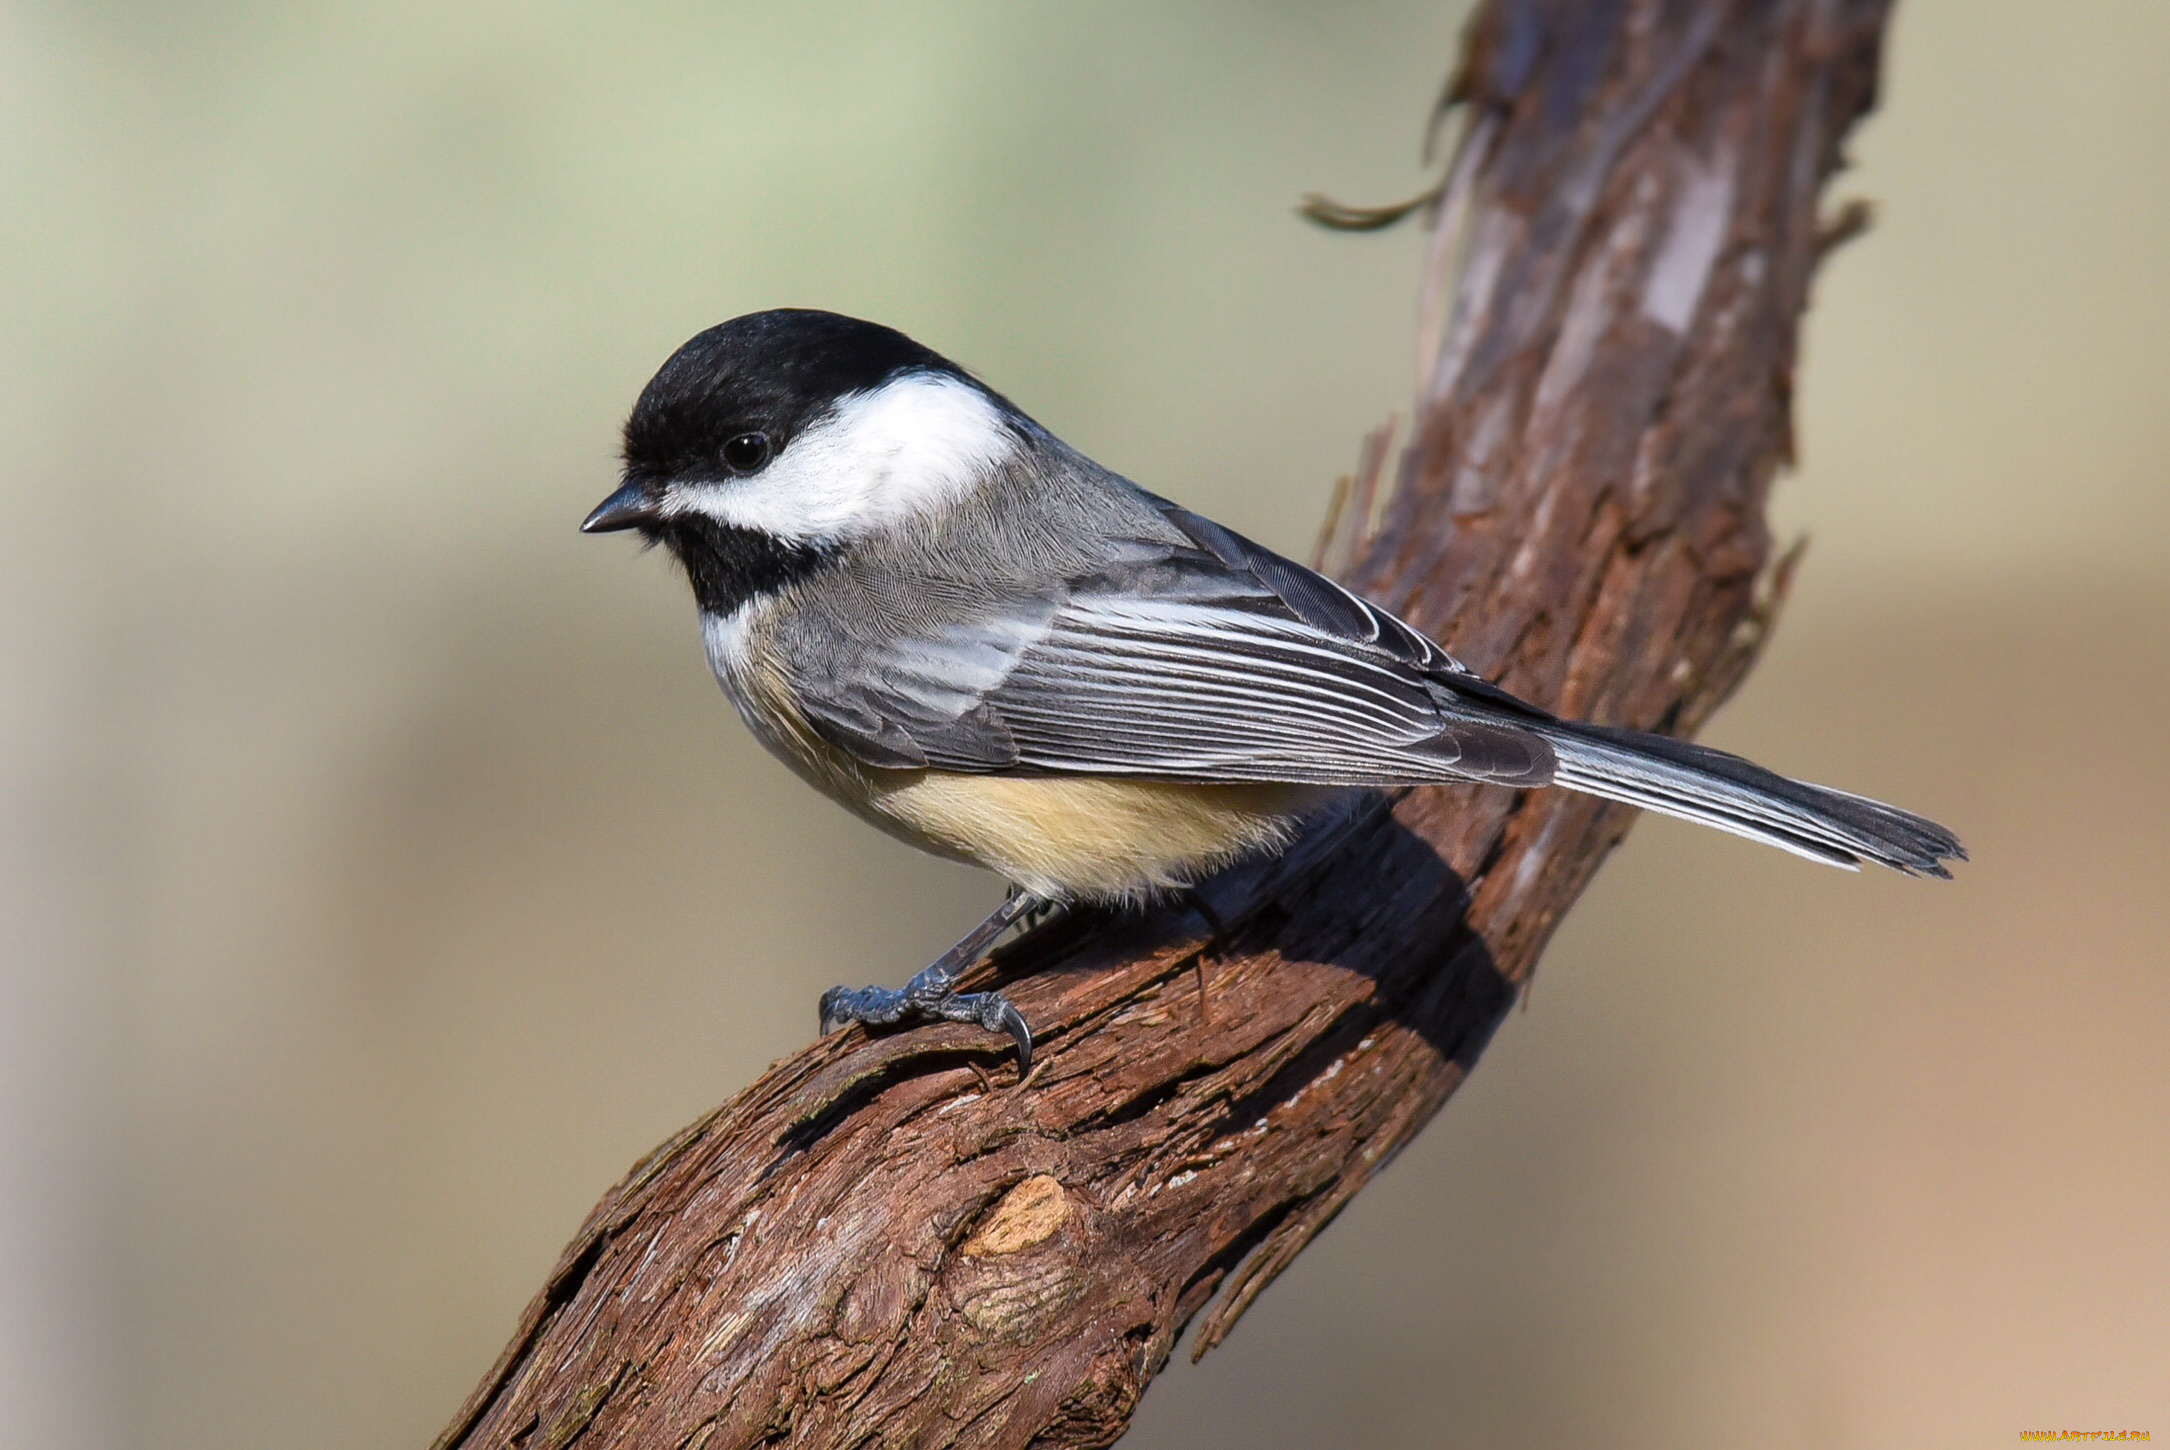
(1713, 788)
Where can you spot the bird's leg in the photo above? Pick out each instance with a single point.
(1037, 911)
(1195, 899)
(1215, 929)
(932, 995)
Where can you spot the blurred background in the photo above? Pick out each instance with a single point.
(381, 873)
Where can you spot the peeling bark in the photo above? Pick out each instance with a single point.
(893, 1241)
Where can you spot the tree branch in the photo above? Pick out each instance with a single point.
(890, 1240)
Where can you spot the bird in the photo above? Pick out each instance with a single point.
(979, 640)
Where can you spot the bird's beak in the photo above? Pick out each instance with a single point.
(629, 507)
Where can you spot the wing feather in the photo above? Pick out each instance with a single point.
(1210, 681)
(1217, 661)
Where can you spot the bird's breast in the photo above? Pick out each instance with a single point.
(753, 678)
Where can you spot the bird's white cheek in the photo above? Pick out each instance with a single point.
(906, 449)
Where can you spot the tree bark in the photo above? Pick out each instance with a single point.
(891, 1240)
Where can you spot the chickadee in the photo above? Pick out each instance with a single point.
(983, 642)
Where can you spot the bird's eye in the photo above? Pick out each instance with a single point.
(747, 453)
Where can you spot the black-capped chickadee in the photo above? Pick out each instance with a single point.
(983, 642)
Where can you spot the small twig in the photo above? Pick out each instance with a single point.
(1853, 219)
(1337, 217)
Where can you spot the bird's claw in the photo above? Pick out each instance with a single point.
(832, 1018)
(997, 1014)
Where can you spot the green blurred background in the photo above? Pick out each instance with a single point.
(381, 873)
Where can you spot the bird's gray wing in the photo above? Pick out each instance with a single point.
(1208, 660)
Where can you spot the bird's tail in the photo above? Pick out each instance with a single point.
(1709, 786)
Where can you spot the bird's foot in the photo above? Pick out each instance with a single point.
(928, 997)
(932, 996)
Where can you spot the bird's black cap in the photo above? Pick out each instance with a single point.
(767, 372)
